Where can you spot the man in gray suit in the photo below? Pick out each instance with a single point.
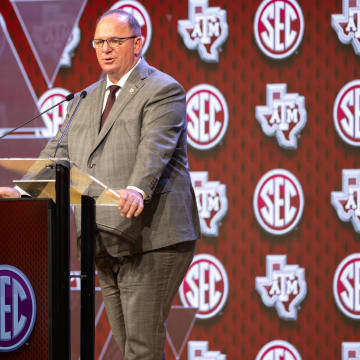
(130, 133)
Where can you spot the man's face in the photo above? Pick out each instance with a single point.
(116, 62)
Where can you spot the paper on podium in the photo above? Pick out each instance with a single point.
(37, 178)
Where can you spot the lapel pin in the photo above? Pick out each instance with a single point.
(131, 90)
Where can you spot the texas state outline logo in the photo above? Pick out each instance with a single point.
(199, 350)
(347, 201)
(284, 286)
(347, 24)
(350, 351)
(206, 29)
(283, 116)
(279, 27)
(211, 202)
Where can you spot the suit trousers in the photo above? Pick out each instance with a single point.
(138, 291)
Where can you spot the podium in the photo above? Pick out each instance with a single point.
(34, 259)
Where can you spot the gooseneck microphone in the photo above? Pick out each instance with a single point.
(67, 98)
(82, 96)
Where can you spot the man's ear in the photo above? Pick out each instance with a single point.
(138, 46)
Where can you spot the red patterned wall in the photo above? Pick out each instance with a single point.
(317, 70)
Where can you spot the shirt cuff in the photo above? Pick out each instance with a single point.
(138, 190)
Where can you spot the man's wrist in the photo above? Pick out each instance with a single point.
(130, 187)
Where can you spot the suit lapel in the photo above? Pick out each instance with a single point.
(95, 110)
(128, 92)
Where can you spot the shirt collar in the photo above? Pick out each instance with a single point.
(123, 79)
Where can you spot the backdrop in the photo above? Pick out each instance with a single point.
(273, 110)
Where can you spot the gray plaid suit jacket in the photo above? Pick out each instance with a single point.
(143, 144)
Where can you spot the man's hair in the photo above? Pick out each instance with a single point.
(133, 23)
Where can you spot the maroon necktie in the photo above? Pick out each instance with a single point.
(109, 103)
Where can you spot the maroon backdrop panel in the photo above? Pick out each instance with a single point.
(229, 73)
(24, 243)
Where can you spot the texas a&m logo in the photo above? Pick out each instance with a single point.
(199, 350)
(346, 286)
(141, 15)
(278, 350)
(54, 118)
(205, 30)
(284, 286)
(346, 113)
(278, 27)
(207, 116)
(205, 286)
(278, 201)
(211, 202)
(284, 115)
(350, 351)
(347, 24)
(17, 308)
(347, 201)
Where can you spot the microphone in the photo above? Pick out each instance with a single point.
(67, 98)
(82, 96)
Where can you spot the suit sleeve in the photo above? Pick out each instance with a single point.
(163, 122)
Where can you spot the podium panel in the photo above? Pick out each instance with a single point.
(25, 270)
(37, 178)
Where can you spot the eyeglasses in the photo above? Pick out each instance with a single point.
(113, 43)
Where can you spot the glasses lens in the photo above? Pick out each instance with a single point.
(114, 42)
(98, 43)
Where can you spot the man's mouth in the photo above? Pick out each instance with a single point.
(108, 60)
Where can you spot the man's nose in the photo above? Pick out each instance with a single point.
(106, 47)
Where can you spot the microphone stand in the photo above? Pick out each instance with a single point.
(82, 96)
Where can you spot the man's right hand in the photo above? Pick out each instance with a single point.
(9, 192)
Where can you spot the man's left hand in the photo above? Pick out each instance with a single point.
(131, 203)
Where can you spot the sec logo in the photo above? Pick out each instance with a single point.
(278, 350)
(207, 116)
(54, 118)
(205, 286)
(278, 201)
(278, 27)
(141, 15)
(17, 308)
(346, 113)
(346, 286)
